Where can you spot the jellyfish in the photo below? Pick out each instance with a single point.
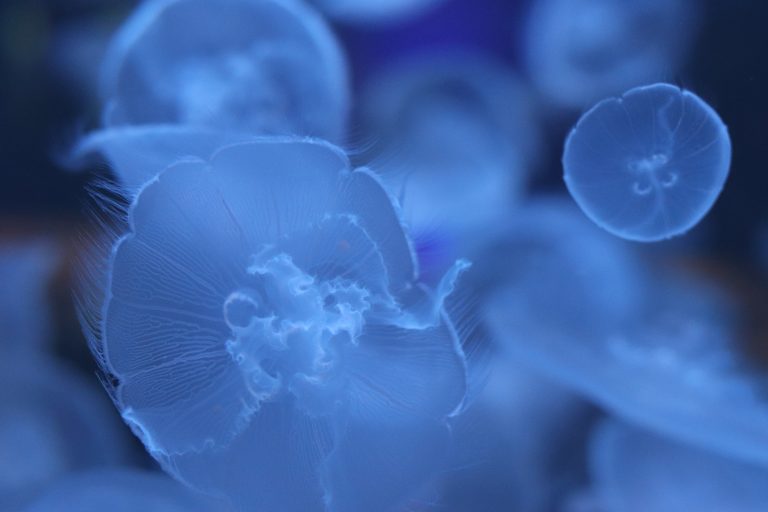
(268, 336)
(26, 270)
(675, 366)
(579, 51)
(120, 490)
(457, 140)
(51, 423)
(173, 75)
(374, 11)
(648, 166)
(635, 470)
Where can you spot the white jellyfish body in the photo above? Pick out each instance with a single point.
(649, 165)
(175, 83)
(458, 139)
(51, 423)
(637, 471)
(120, 490)
(579, 51)
(269, 338)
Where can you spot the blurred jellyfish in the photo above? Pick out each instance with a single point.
(26, 271)
(648, 166)
(51, 423)
(120, 490)
(373, 11)
(579, 51)
(173, 75)
(676, 366)
(457, 140)
(636, 471)
(269, 339)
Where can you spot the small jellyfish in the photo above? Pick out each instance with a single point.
(51, 423)
(579, 51)
(457, 140)
(373, 11)
(268, 337)
(636, 471)
(26, 271)
(120, 490)
(675, 366)
(175, 83)
(648, 166)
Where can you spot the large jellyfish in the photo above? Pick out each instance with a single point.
(675, 366)
(579, 51)
(51, 423)
(636, 471)
(26, 271)
(456, 142)
(120, 490)
(181, 76)
(373, 11)
(649, 165)
(269, 338)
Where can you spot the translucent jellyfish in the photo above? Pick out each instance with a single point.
(373, 11)
(649, 165)
(172, 76)
(51, 423)
(675, 366)
(269, 339)
(457, 140)
(26, 270)
(636, 471)
(579, 51)
(120, 490)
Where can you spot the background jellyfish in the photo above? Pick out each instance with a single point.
(373, 11)
(120, 490)
(456, 141)
(269, 340)
(578, 51)
(676, 366)
(637, 471)
(51, 423)
(173, 76)
(26, 270)
(649, 165)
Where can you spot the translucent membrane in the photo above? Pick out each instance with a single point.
(649, 165)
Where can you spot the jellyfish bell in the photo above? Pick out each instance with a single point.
(648, 166)
(581, 51)
(634, 470)
(269, 338)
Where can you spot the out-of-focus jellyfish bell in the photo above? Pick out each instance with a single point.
(120, 490)
(26, 269)
(676, 366)
(648, 166)
(457, 141)
(579, 51)
(636, 471)
(182, 76)
(373, 11)
(51, 423)
(268, 337)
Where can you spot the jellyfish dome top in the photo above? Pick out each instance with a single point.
(648, 166)
(26, 271)
(120, 490)
(51, 423)
(458, 138)
(676, 367)
(579, 51)
(636, 471)
(268, 336)
(374, 11)
(175, 84)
